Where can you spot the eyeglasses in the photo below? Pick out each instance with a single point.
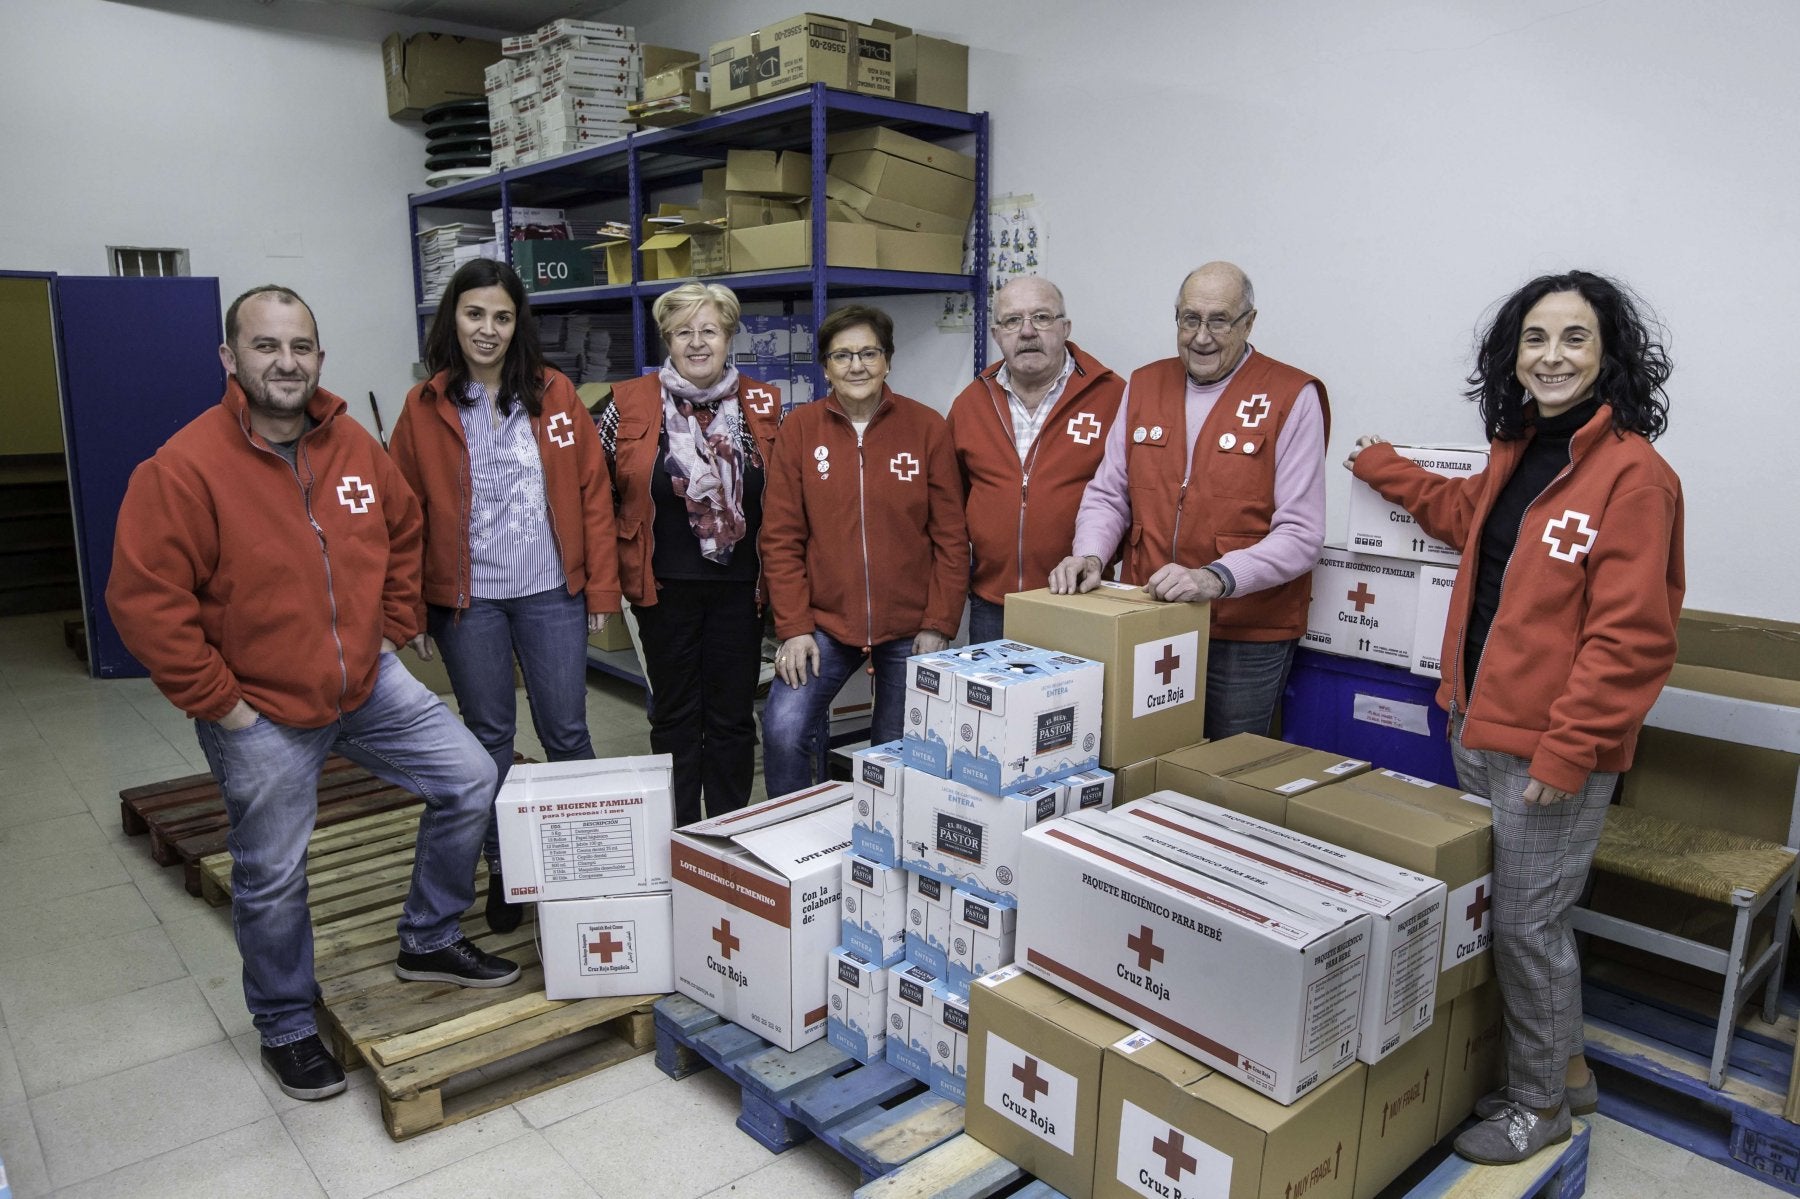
(1217, 326)
(868, 356)
(1039, 320)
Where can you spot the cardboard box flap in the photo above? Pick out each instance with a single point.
(795, 846)
(1713, 680)
(1750, 644)
(902, 145)
(1165, 1061)
(770, 811)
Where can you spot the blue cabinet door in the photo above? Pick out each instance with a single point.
(140, 358)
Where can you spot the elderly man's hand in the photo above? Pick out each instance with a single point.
(1179, 585)
(1074, 574)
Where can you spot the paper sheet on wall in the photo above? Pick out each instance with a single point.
(1016, 244)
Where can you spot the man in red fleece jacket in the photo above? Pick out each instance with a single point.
(265, 568)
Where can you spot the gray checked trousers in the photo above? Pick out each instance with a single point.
(1541, 860)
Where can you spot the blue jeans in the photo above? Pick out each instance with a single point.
(794, 718)
(548, 632)
(986, 621)
(269, 776)
(1243, 685)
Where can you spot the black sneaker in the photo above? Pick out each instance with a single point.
(304, 1069)
(462, 962)
(502, 915)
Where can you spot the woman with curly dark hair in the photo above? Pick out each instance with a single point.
(1561, 634)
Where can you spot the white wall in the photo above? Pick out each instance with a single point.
(1386, 171)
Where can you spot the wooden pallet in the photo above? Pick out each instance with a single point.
(186, 818)
(440, 1053)
(873, 1115)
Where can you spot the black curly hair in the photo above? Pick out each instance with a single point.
(1633, 364)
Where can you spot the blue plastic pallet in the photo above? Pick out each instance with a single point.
(872, 1115)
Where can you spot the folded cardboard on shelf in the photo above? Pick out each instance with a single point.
(902, 145)
(685, 250)
(885, 211)
(930, 253)
(902, 179)
(789, 245)
(433, 68)
(769, 172)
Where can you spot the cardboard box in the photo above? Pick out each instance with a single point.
(1379, 527)
(1429, 618)
(1474, 1053)
(1154, 654)
(930, 730)
(1406, 909)
(909, 182)
(1026, 722)
(433, 68)
(620, 945)
(884, 211)
(1257, 776)
(615, 637)
(757, 904)
(768, 172)
(801, 50)
(929, 70)
(950, 1044)
(671, 111)
(856, 1022)
(1133, 782)
(1035, 1056)
(1085, 790)
(782, 247)
(1170, 1126)
(687, 80)
(1436, 831)
(694, 248)
(1400, 1109)
(582, 830)
(912, 990)
(928, 922)
(878, 778)
(748, 212)
(902, 145)
(982, 936)
(1266, 994)
(552, 265)
(1363, 607)
(874, 911)
(967, 837)
(927, 253)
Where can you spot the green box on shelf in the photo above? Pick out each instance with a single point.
(553, 264)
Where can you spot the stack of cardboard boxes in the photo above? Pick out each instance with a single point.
(588, 842)
(799, 51)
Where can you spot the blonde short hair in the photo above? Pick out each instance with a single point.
(675, 306)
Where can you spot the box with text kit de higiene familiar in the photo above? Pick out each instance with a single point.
(758, 898)
(582, 830)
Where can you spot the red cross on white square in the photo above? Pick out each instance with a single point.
(561, 430)
(1031, 1083)
(355, 494)
(1569, 536)
(904, 466)
(1144, 945)
(1176, 1159)
(1084, 428)
(728, 943)
(1258, 405)
(605, 947)
(765, 400)
(1362, 597)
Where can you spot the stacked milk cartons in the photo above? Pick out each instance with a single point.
(567, 88)
(589, 842)
(998, 738)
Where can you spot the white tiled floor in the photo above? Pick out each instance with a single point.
(128, 1067)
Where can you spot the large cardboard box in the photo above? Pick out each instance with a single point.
(926, 253)
(781, 247)
(768, 172)
(892, 213)
(1363, 607)
(1172, 1127)
(1154, 654)
(1267, 994)
(757, 904)
(1474, 1053)
(1026, 722)
(803, 49)
(1257, 776)
(1433, 612)
(902, 145)
(1437, 831)
(1407, 909)
(1400, 1108)
(967, 837)
(929, 70)
(433, 68)
(621, 945)
(907, 181)
(1379, 527)
(1034, 1076)
(581, 830)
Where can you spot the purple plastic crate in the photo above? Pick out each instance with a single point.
(1367, 710)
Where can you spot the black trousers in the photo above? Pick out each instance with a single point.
(703, 648)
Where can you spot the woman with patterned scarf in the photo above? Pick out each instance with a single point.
(687, 447)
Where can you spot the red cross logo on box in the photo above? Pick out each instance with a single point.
(1362, 597)
(1176, 1159)
(762, 394)
(904, 466)
(355, 494)
(1084, 428)
(1479, 906)
(1569, 536)
(1144, 945)
(1167, 664)
(1031, 1083)
(605, 947)
(1258, 405)
(728, 942)
(561, 430)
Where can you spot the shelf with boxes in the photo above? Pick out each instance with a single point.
(904, 187)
